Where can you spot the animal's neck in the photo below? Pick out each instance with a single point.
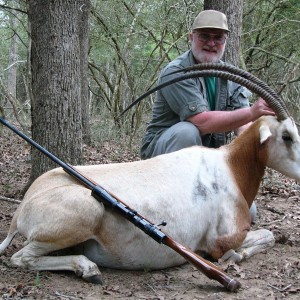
(247, 159)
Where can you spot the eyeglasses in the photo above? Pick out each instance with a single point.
(219, 39)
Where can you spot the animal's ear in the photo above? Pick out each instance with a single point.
(265, 133)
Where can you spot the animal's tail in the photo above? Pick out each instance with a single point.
(13, 230)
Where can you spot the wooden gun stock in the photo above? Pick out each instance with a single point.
(204, 266)
(207, 268)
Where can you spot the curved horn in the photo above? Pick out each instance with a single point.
(266, 93)
(233, 70)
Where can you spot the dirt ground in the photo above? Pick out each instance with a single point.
(271, 275)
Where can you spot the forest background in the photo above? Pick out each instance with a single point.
(114, 50)
(68, 68)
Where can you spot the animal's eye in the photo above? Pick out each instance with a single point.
(286, 137)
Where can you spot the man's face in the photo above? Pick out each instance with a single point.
(208, 45)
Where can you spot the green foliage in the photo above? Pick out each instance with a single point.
(37, 279)
(271, 46)
(131, 43)
(14, 35)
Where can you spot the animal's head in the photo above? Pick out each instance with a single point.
(283, 144)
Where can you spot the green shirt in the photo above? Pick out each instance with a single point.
(210, 83)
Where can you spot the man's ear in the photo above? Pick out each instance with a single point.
(265, 133)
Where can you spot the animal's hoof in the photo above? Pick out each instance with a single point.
(231, 255)
(95, 279)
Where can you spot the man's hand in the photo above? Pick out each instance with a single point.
(261, 108)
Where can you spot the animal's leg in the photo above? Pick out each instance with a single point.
(255, 242)
(31, 257)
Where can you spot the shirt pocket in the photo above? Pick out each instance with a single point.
(239, 98)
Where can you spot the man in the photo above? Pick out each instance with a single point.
(200, 111)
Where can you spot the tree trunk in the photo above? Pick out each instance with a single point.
(84, 51)
(56, 81)
(233, 9)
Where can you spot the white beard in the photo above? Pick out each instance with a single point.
(203, 56)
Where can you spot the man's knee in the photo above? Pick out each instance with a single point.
(187, 134)
(179, 136)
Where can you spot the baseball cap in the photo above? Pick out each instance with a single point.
(210, 19)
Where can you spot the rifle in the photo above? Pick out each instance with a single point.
(100, 194)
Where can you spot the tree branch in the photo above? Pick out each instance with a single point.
(5, 7)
